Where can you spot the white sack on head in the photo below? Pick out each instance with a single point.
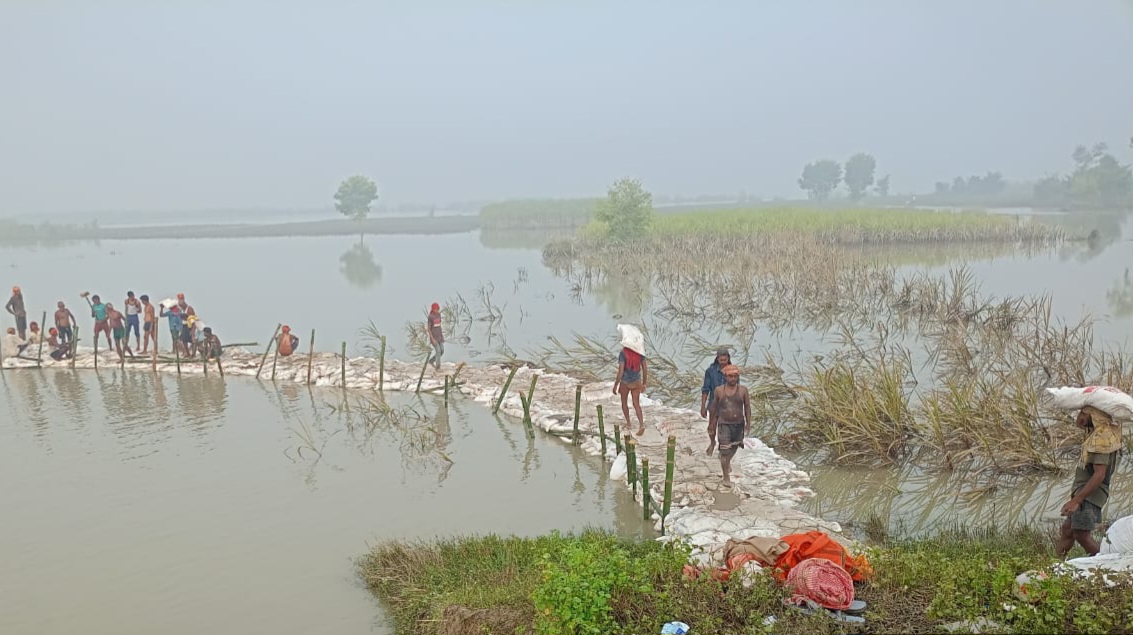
(632, 338)
(169, 303)
(1108, 399)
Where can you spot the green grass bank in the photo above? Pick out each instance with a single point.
(596, 584)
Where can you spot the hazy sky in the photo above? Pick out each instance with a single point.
(175, 105)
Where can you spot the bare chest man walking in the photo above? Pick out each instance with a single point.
(729, 420)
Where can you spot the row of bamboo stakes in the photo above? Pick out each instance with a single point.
(629, 446)
(622, 444)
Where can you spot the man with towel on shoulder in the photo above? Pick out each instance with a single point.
(1090, 490)
(729, 419)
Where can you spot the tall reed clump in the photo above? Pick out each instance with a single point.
(858, 407)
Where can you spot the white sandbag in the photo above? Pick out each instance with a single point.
(632, 338)
(619, 470)
(168, 303)
(1119, 538)
(1108, 399)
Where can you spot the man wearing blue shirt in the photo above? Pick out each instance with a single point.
(713, 379)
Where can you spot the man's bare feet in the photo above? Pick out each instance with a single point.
(727, 482)
(641, 430)
(711, 448)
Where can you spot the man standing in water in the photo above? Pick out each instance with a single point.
(729, 420)
(713, 379)
(436, 335)
(117, 323)
(133, 319)
(149, 325)
(175, 324)
(64, 322)
(15, 306)
(98, 312)
(1090, 490)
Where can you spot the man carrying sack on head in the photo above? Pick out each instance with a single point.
(1090, 490)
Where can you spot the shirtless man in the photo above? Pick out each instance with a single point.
(133, 319)
(117, 323)
(149, 325)
(64, 323)
(729, 419)
(286, 343)
(186, 308)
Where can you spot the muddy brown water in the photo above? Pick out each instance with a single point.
(140, 504)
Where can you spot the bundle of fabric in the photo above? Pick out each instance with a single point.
(816, 544)
(820, 582)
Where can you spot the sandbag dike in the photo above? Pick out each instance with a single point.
(762, 502)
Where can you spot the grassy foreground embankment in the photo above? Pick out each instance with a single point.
(596, 584)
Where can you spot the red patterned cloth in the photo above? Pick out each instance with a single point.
(822, 582)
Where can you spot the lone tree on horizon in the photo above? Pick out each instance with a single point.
(627, 210)
(354, 197)
(820, 178)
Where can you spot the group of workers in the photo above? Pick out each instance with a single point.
(138, 317)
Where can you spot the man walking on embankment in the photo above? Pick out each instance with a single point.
(1090, 490)
(729, 420)
(15, 306)
(713, 379)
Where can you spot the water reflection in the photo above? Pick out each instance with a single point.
(1120, 296)
(358, 267)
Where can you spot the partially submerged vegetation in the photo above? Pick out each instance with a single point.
(596, 584)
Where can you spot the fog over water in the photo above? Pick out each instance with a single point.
(269, 104)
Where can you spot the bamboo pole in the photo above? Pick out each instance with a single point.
(42, 332)
(577, 407)
(176, 355)
(631, 462)
(2, 360)
(310, 356)
(446, 392)
(382, 367)
(154, 354)
(503, 393)
(264, 359)
(528, 428)
(204, 360)
(618, 438)
(74, 343)
(531, 389)
(670, 468)
(646, 495)
(96, 351)
(344, 365)
(602, 432)
(274, 359)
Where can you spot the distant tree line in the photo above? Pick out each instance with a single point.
(1098, 180)
(988, 184)
(821, 178)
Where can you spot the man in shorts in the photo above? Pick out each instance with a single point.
(98, 311)
(133, 310)
(436, 335)
(64, 323)
(149, 325)
(15, 306)
(117, 323)
(1090, 490)
(729, 420)
(175, 325)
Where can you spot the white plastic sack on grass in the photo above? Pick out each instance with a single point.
(1108, 399)
(632, 338)
(1119, 538)
(619, 469)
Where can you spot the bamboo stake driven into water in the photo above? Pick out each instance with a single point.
(39, 355)
(528, 429)
(382, 367)
(531, 389)
(344, 365)
(670, 469)
(310, 356)
(503, 393)
(631, 463)
(264, 359)
(176, 355)
(421, 376)
(446, 392)
(577, 407)
(601, 431)
(646, 495)
(274, 359)
(74, 343)
(618, 438)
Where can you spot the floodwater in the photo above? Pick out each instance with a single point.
(139, 504)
